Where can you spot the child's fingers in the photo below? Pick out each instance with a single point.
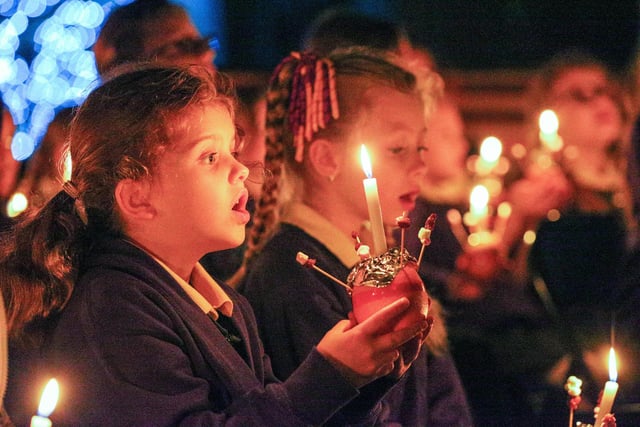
(379, 321)
(397, 338)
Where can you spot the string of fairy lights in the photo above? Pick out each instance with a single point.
(46, 62)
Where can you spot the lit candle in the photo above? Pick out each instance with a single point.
(504, 212)
(373, 204)
(490, 152)
(610, 390)
(549, 137)
(478, 208)
(47, 405)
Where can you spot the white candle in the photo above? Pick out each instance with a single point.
(549, 137)
(490, 152)
(610, 390)
(47, 405)
(373, 204)
(478, 213)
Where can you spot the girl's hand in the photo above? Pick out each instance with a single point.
(366, 351)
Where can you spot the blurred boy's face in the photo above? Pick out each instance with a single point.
(588, 115)
(198, 188)
(178, 42)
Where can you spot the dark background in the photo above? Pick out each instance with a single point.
(463, 34)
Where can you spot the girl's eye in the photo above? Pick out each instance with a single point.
(397, 150)
(212, 158)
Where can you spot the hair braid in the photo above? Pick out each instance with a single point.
(301, 100)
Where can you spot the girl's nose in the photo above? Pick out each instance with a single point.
(240, 171)
(418, 169)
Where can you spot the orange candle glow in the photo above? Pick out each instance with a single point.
(373, 204)
(610, 390)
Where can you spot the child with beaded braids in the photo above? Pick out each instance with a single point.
(320, 110)
(139, 333)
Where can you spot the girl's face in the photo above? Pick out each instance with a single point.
(392, 129)
(198, 187)
(587, 113)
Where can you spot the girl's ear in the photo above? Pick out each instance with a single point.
(132, 198)
(324, 158)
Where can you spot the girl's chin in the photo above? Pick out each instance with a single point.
(229, 244)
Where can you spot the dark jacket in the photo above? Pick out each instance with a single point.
(295, 306)
(131, 348)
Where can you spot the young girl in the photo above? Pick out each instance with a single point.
(143, 335)
(320, 111)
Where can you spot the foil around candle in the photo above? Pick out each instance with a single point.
(381, 270)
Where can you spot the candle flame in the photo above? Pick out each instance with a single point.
(613, 369)
(548, 122)
(49, 398)
(479, 197)
(365, 161)
(549, 125)
(490, 149)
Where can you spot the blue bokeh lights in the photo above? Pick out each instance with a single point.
(46, 61)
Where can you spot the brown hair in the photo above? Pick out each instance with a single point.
(118, 133)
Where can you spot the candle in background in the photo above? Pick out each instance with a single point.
(373, 204)
(504, 212)
(490, 152)
(47, 405)
(549, 137)
(478, 208)
(610, 390)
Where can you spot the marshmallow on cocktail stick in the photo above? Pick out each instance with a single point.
(304, 260)
(573, 386)
(363, 251)
(403, 222)
(425, 234)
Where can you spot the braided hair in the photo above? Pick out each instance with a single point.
(308, 98)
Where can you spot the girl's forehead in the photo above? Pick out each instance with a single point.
(210, 117)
